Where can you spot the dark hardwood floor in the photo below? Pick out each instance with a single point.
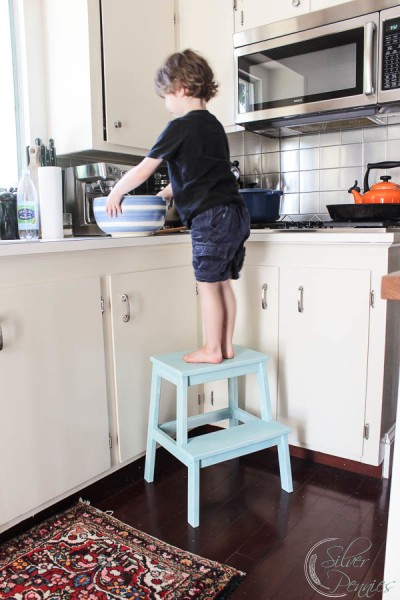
(248, 522)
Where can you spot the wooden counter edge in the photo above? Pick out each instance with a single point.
(390, 289)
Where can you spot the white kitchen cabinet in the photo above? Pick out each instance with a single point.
(321, 4)
(53, 410)
(101, 59)
(256, 327)
(253, 13)
(323, 357)
(161, 305)
(208, 29)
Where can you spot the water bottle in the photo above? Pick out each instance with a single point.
(27, 208)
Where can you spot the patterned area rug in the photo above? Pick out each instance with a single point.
(85, 554)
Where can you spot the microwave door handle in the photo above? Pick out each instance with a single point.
(369, 43)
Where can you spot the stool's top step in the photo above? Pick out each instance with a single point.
(243, 356)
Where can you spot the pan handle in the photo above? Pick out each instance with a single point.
(388, 164)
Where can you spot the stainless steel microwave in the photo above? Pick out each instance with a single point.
(326, 66)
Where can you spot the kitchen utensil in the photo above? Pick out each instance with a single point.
(8, 216)
(364, 212)
(52, 153)
(383, 192)
(141, 215)
(263, 205)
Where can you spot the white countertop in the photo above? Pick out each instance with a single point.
(346, 235)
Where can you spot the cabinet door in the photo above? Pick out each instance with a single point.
(162, 308)
(256, 327)
(323, 347)
(320, 4)
(253, 13)
(137, 38)
(53, 406)
(208, 29)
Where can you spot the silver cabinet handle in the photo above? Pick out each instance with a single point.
(117, 124)
(264, 298)
(295, 3)
(1, 338)
(369, 37)
(300, 301)
(127, 315)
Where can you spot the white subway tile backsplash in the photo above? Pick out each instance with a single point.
(309, 203)
(290, 182)
(290, 160)
(252, 164)
(393, 132)
(318, 169)
(309, 181)
(290, 204)
(329, 157)
(252, 143)
(375, 134)
(349, 175)
(374, 152)
(270, 162)
(271, 181)
(329, 179)
(351, 155)
(290, 143)
(330, 139)
(310, 141)
(309, 159)
(352, 136)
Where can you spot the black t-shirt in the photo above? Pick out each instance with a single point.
(196, 149)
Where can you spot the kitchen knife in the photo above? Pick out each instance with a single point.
(52, 153)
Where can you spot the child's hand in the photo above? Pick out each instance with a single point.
(113, 205)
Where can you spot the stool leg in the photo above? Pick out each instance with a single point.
(284, 464)
(233, 399)
(193, 493)
(181, 411)
(263, 392)
(154, 410)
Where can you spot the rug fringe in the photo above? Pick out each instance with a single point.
(82, 501)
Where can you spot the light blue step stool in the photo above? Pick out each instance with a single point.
(251, 435)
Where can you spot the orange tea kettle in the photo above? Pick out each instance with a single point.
(383, 192)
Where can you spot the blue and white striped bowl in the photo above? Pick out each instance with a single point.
(141, 215)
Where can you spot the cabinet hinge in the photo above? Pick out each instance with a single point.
(242, 18)
(110, 441)
(199, 399)
(174, 18)
(102, 305)
(234, 4)
(372, 299)
(212, 398)
(366, 431)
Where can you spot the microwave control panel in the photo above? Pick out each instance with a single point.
(391, 54)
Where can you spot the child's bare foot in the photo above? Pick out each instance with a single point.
(202, 355)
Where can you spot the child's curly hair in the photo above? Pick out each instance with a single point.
(189, 70)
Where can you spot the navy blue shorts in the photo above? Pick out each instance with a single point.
(218, 237)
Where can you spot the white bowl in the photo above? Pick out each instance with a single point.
(141, 215)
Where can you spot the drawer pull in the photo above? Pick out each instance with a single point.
(264, 297)
(300, 301)
(1, 338)
(127, 315)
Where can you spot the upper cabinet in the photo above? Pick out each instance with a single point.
(209, 29)
(253, 13)
(101, 59)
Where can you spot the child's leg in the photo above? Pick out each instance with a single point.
(229, 301)
(213, 313)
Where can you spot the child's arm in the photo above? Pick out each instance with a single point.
(166, 193)
(131, 180)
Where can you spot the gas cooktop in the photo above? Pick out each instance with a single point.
(290, 223)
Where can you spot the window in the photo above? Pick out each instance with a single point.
(9, 120)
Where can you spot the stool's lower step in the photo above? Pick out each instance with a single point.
(240, 440)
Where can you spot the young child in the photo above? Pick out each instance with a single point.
(205, 194)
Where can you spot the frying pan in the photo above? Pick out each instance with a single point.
(364, 212)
